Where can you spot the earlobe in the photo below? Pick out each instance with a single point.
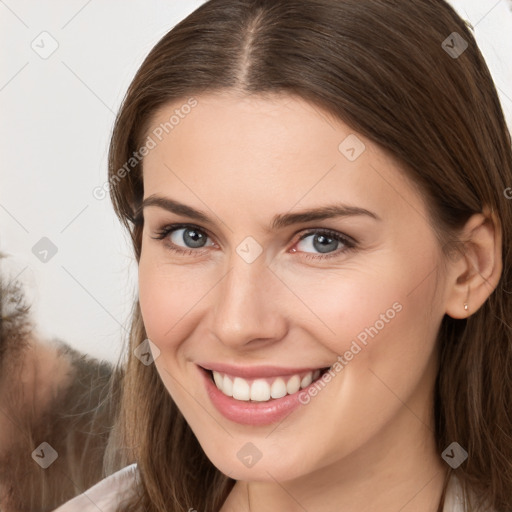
(472, 278)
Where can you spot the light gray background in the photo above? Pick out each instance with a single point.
(57, 116)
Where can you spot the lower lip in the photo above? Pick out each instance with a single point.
(248, 412)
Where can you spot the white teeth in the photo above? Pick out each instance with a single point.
(293, 385)
(241, 389)
(262, 390)
(278, 388)
(306, 381)
(217, 377)
(227, 386)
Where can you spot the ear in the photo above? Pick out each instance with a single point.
(474, 275)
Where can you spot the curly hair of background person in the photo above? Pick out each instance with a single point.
(50, 393)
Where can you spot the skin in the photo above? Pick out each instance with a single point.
(366, 440)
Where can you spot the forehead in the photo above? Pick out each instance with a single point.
(280, 150)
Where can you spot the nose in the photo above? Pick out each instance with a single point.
(249, 305)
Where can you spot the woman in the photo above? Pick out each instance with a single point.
(315, 195)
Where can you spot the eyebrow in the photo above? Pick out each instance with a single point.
(279, 221)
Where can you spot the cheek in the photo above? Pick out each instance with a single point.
(349, 302)
(161, 299)
(152, 301)
(171, 299)
(387, 341)
(377, 317)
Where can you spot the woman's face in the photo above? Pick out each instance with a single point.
(267, 296)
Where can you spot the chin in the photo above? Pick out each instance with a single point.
(263, 467)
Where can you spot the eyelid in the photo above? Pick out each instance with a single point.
(332, 232)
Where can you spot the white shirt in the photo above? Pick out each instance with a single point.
(106, 495)
(109, 492)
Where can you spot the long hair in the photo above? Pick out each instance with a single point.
(400, 74)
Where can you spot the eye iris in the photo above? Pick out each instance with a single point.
(330, 246)
(193, 238)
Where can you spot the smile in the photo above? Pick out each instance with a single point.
(256, 395)
(263, 389)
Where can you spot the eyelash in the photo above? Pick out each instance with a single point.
(349, 243)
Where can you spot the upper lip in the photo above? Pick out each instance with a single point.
(252, 372)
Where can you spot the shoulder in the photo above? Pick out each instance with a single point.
(106, 494)
(454, 501)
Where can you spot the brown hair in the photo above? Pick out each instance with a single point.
(72, 409)
(382, 67)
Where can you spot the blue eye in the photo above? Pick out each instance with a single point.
(191, 234)
(325, 241)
